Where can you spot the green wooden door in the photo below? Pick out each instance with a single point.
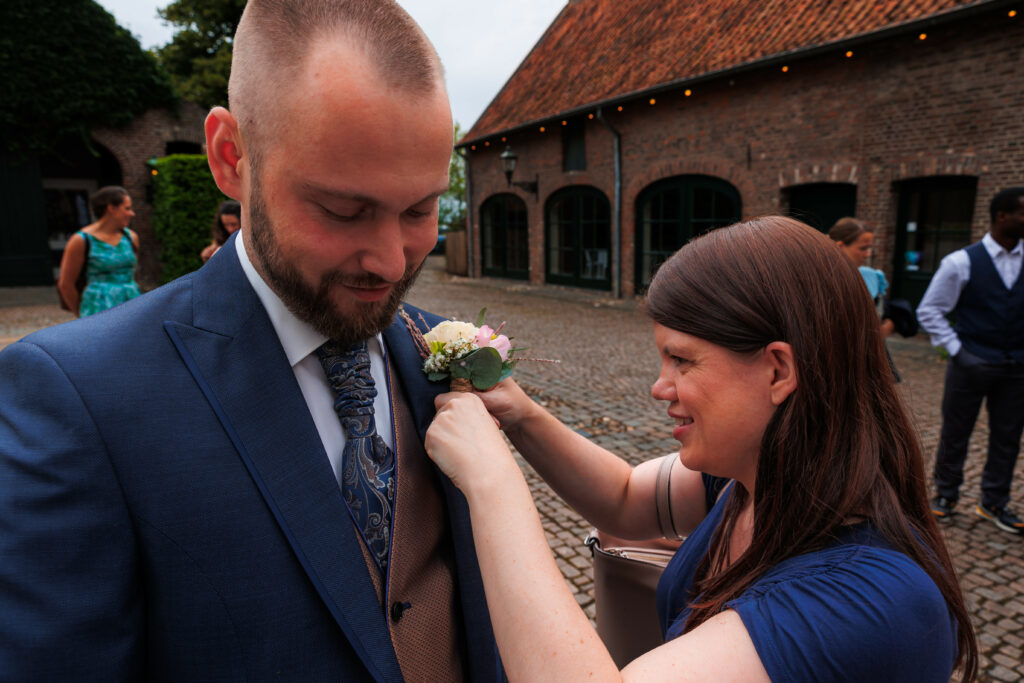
(24, 251)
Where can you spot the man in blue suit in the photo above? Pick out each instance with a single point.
(176, 496)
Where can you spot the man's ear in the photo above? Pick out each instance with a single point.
(224, 151)
(784, 381)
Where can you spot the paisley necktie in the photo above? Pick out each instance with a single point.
(368, 465)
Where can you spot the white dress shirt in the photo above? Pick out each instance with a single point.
(300, 342)
(948, 284)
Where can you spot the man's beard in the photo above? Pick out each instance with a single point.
(313, 304)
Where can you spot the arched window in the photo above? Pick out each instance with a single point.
(505, 237)
(820, 205)
(671, 212)
(934, 219)
(182, 147)
(578, 234)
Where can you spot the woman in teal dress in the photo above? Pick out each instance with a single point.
(107, 250)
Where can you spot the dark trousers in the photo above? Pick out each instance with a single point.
(970, 379)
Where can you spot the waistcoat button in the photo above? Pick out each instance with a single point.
(397, 609)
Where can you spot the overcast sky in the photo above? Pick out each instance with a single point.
(481, 42)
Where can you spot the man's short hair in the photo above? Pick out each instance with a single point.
(274, 38)
(1007, 201)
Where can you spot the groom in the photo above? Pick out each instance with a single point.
(225, 479)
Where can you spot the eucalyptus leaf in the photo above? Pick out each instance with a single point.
(460, 368)
(437, 376)
(484, 367)
(480, 317)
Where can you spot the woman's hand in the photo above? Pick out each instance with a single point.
(465, 443)
(506, 402)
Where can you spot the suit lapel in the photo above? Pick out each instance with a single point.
(482, 656)
(235, 356)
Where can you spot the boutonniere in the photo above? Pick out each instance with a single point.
(468, 356)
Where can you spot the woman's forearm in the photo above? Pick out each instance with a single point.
(597, 483)
(542, 633)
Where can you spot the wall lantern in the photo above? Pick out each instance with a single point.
(508, 165)
(151, 169)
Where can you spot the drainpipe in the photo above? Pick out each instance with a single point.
(469, 213)
(617, 217)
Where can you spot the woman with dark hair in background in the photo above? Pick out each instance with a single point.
(106, 250)
(227, 220)
(811, 553)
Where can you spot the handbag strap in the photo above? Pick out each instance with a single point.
(663, 498)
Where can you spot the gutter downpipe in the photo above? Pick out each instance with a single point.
(469, 213)
(617, 218)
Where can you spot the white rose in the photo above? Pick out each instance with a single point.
(450, 330)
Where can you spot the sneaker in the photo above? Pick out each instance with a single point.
(942, 508)
(1002, 518)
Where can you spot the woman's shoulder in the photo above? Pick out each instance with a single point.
(875, 280)
(850, 607)
(854, 565)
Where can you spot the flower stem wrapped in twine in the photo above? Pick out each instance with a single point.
(461, 384)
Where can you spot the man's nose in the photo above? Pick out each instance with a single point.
(384, 250)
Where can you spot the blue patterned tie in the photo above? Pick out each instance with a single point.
(368, 465)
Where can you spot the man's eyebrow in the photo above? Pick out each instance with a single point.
(362, 198)
(338, 194)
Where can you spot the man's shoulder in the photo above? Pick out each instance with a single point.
(119, 329)
(415, 313)
(956, 264)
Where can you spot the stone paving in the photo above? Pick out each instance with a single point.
(601, 388)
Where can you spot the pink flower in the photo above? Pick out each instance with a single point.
(502, 345)
(499, 342)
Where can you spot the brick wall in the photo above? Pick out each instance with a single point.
(897, 109)
(147, 137)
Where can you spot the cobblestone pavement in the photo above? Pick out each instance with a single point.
(601, 388)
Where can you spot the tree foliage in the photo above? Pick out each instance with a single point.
(67, 68)
(198, 58)
(185, 200)
(452, 211)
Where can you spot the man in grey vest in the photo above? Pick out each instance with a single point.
(981, 285)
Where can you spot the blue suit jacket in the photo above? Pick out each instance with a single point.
(167, 510)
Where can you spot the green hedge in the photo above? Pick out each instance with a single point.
(185, 199)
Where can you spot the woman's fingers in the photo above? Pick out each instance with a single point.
(464, 440)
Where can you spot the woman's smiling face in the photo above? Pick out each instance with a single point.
(720, 400)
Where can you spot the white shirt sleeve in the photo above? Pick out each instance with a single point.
(941, 297)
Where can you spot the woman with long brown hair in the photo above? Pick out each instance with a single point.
(226, 221)
(811, 554)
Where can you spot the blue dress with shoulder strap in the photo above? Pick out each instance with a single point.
(110, 274)
(858, 610)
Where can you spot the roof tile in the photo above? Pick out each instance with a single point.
(597, 50)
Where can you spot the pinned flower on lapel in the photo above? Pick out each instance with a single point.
(469, 356)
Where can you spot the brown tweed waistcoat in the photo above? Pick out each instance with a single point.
(422, 608)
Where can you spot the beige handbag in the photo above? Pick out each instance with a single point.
(626, 575)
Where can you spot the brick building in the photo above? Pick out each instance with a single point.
(46, 198)
(636, 126)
